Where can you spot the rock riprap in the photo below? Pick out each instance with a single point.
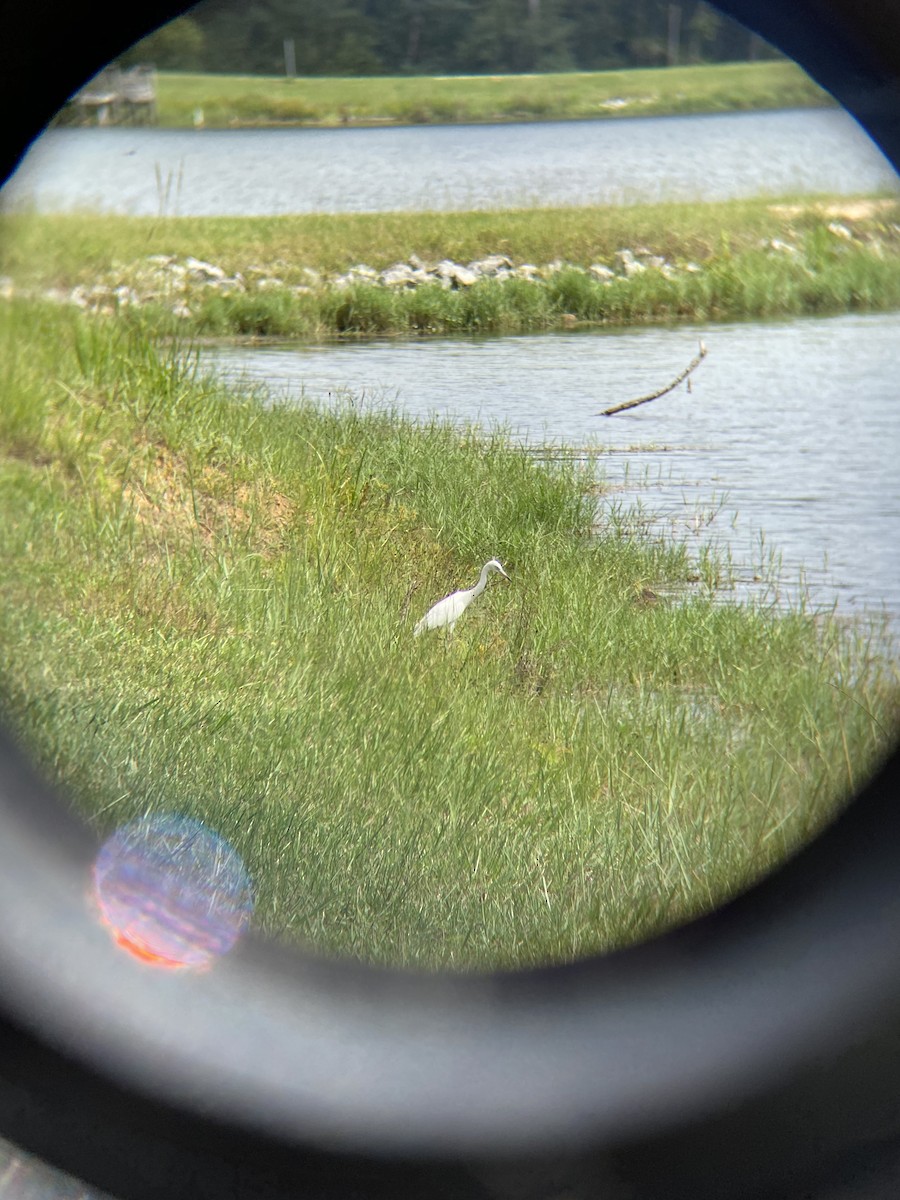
(177, 282)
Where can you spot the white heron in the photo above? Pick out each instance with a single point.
(451, 608)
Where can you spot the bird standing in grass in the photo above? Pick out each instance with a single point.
(448, 611)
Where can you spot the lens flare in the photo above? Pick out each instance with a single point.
(173, 892)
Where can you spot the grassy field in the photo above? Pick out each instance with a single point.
(235, 100)
(207, 607)
(757, 258)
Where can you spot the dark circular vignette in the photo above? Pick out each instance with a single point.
(791, 992)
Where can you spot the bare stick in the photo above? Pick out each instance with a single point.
(692, 366)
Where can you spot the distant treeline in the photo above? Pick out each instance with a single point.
(376, 37)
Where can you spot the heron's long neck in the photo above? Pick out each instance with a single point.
(482, 582)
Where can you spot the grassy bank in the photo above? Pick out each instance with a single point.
(207, 607)
(235, 100)
(292, 276)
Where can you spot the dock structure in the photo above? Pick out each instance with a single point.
(114, 97)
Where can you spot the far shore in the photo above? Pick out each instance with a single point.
(242, 101)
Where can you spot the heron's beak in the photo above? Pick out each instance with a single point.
(505, 576)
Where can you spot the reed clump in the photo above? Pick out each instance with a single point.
(207, 607)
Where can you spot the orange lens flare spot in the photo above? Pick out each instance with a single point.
(137, 948)
(172, 892)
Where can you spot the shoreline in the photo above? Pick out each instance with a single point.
(248, 126)
(423, 274)
(223, 101)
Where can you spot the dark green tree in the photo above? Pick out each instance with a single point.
(179, 45)
(363, 37)
(518, 36)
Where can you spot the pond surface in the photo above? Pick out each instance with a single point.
(785, 447)
(628, 160)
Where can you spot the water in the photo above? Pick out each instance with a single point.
(786, 445)
(790, 425)
(255, 172)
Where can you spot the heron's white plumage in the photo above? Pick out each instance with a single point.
(448, 611)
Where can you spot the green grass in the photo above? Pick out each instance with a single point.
(67, 248)
(740, 274)
(233, 100)
(207, 607)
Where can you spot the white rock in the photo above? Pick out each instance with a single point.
(202, 269)
(492, 265)
(456, 273)
(464, 277)
(399, 275)
(599, 271)
(840, 231)
(227, 286)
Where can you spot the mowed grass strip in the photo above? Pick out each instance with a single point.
(253, 100)
(207, 607)
(741, 259)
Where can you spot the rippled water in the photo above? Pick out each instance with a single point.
(253, 172)
(786, 445)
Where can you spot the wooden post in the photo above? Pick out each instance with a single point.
(674, 34)
(290, 59)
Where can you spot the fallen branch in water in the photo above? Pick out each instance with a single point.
(692, 366)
